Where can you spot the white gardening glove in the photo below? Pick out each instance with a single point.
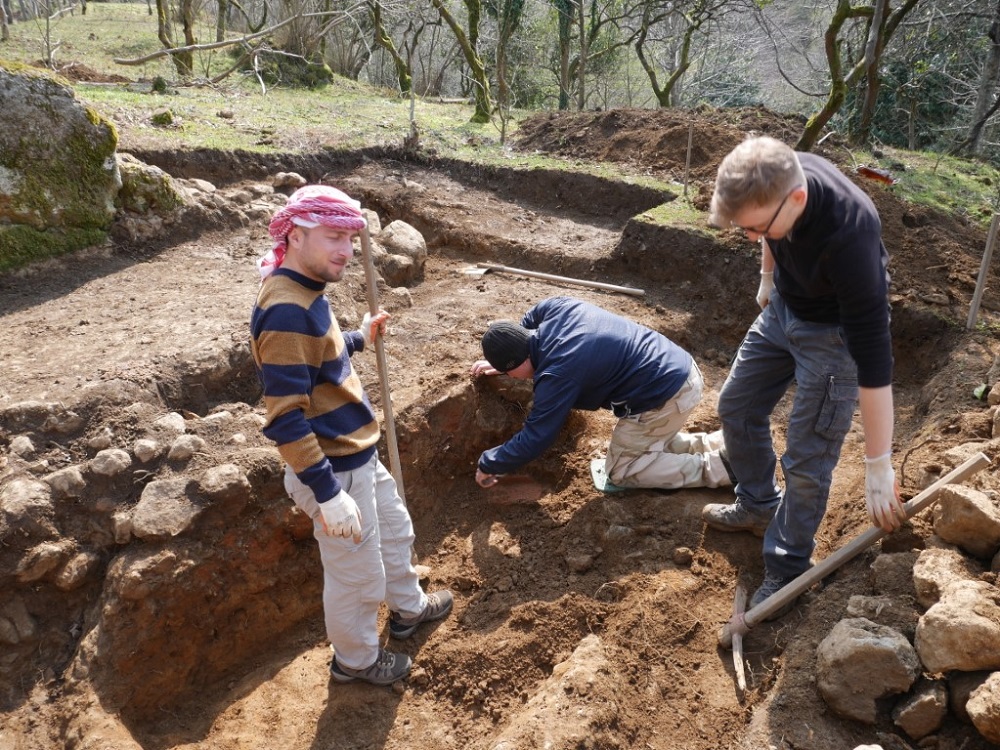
(764, 290)
(366, 329)
(341, 517)
(372, 323)
(882, 493)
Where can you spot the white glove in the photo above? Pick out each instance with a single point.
(366, 329)
(341, 517)
(373, 325)
(764, 290)
(882, 493)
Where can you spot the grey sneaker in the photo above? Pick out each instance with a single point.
(388, 668)
(438, 606)
(736, 517)
(772, 585)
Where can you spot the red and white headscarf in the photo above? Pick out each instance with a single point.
(309, 206)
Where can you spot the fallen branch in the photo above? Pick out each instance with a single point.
(219, 45)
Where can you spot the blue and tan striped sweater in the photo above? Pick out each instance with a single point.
(318, 414)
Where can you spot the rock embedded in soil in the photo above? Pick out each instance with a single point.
(922, 712)
(968, 518)
(861, 661)
(984, 708)
(937, 568)
(962, 630)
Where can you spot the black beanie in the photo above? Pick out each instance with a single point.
(505, 345)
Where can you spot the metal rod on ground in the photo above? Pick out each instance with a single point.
(991, 241)
(563, 279)
(740, 625)
(383, 371)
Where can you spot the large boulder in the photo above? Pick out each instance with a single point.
(962, 630)
(58, 173)
(861, 661)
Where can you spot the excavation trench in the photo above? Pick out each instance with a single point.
(197, 626)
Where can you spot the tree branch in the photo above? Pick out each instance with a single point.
(217, 45)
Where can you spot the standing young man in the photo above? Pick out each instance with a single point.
(319, 416)
(824, 324)
(580, 356)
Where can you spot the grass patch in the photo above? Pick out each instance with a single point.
(347, 115)
(957, 186)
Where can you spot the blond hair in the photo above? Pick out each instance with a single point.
(759, 171)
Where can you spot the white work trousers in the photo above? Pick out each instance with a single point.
(357, 578)
(649, 450)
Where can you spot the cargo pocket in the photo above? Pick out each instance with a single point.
(839, 403)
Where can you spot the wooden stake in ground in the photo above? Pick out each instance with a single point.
(740, 624)
(991, 241)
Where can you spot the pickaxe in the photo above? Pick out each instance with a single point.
(733, 631)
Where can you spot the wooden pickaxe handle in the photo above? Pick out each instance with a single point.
(777, 600)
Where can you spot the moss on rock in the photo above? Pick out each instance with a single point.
(58, 173)
(21, 245)
(146, 188)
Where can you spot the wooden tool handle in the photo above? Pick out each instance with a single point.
(821, 570)
(383, 372)
(563, 279)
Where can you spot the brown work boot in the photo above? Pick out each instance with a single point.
(737, 517)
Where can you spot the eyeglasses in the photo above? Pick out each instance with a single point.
(763, 232)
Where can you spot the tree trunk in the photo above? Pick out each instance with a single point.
(581, 67)
(873, 81)
(838, 82)
(383, 40)
(481, 82)
(184, 61)
(220, 22)
(987, 87)
(565, 27)
(667, 95)
(838, 88)
(911, 127)
(662, 96)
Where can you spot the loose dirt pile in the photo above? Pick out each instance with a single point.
(582, 619)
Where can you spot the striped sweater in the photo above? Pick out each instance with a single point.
(318, 414)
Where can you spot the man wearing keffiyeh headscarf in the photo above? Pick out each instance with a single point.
(320, 417)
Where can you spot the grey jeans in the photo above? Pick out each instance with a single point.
(780, 348)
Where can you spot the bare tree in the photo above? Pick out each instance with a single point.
(469, 42)
(839, 83)
(404, 75)
(988, 88)
(507, 14)
(662, 22)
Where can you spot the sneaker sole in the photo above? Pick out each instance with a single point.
(343, 678)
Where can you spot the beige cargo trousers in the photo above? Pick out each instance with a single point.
(649, 449)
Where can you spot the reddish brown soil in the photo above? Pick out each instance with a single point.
(150, 315)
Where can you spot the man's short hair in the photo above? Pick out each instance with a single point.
(759, 171)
